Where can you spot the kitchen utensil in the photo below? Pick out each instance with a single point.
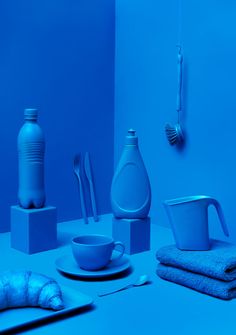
(188, 217)
(174, 133)
(88, 173)
(77, 171)
(94, 252)
(141, 280)
(67, 265)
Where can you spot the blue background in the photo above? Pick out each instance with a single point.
(145, 98)
(62, 57)
(93, 75)
(58, 56)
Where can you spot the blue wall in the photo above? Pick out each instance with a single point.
(58, 56)
(146, 78)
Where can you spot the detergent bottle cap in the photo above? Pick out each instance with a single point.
(131, 138)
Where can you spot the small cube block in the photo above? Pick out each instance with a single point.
(33, 230)
(134, 233)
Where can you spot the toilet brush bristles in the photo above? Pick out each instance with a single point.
(174, 134)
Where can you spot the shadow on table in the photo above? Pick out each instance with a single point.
(122, 274)
(64, 238)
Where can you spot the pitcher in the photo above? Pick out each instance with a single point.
(188, 217)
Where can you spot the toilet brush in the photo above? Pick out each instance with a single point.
(174, 133)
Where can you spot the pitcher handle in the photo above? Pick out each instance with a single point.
(221, 215)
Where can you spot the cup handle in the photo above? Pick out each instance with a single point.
(118, 243)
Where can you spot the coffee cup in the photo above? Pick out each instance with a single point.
(94, 252)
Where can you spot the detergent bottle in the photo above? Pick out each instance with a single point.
(130, 190)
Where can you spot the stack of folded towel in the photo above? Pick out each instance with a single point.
(211, 272)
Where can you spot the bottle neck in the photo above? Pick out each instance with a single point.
(30, 120)
(31, 114)
(131, 138)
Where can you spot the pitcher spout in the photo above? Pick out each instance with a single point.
(188, 199)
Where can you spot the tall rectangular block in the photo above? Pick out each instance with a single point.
(134, 233)
(33, 230)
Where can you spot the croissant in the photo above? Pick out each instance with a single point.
(27, 288)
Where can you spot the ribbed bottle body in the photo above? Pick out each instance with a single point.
(31, 149)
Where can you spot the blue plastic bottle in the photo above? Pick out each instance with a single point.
(130, 190)
(31, 148)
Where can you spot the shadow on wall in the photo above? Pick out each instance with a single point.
(58, 57)
(146, 98)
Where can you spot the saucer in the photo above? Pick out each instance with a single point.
(68, 265)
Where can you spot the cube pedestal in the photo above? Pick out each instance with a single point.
(33, 230)
(134, 233)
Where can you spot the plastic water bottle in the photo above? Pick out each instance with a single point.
(130, 190)
(31, 148)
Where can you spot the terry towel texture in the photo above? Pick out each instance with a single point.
(217, 288)
(218, 263)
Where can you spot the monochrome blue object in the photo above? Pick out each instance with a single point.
(33, 230)
(15, 318)
(94, 252)
(219, 262)
(31, 148)
(130, 190)
(188, 217)
(134, 233)
(140, 281)
(24, 288)
(67, 265)
(77, 172)
(214, 287)
(175, 133)
(88, 173)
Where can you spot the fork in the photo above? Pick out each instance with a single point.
(77, 171)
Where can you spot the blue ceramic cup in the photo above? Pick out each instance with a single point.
(94, 252)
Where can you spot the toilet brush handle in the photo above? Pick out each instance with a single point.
(179, 69)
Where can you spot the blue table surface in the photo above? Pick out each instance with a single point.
(159, 308)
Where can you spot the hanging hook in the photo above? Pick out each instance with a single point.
(179, 46)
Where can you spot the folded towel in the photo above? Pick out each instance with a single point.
(214, 287)
(219, 262)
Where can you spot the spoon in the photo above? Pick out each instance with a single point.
(142, 280)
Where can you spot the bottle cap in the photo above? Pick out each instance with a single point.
(131, 138)
(31, 114)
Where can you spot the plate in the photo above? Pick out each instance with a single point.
(68, 265)
(20, 318)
